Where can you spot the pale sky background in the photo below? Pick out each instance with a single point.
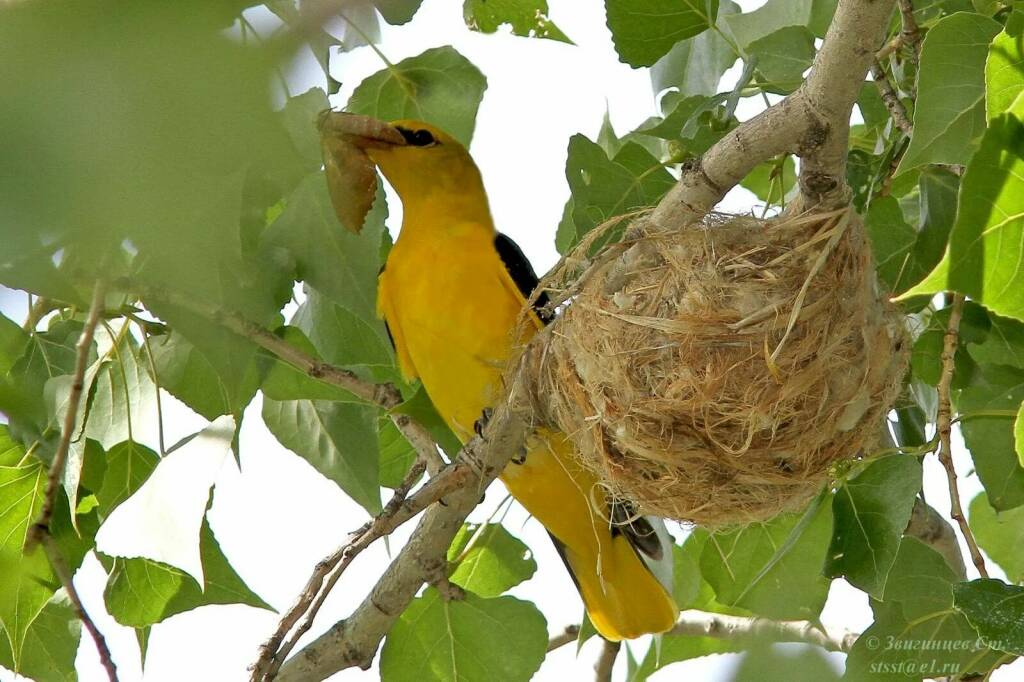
(277, 517)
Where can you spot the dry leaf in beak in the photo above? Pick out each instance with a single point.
(351, 179)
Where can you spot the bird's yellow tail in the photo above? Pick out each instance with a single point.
(622, 596)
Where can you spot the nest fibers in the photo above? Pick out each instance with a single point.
(716, 374)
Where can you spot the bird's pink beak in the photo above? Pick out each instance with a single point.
(364, 132)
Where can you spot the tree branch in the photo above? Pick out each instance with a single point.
(354, 641)
(569, 634)
(812, 122)
(720, 626)
(67, 580)
(40, 530)
(606, 661)
(889, 97)
(944, 426)
(385, 396)
(56, 475)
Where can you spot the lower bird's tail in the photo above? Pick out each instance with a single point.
(607, 551)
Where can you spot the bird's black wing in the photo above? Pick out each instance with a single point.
(522, 274)
(637, 530)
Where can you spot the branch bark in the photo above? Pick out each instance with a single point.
(605, 663)
(813, 122)
(944, 426)
(720, 626)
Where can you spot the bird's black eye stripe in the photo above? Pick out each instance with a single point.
(417, 138)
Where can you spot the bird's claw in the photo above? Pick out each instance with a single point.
(480, 424)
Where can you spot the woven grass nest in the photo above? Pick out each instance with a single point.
(716, 374)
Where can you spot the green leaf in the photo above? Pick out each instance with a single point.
(141, 592)
(470, 640)
(996, 610)
(28, 581)
(772, 663)
(604, 188)
(782, 57)
(990, 439)
(129, 464)
(187, 374)
(338, 439)
(1018, 434)
(13, 340)
(1003, 79)
(695, 66)
(339, 264)
(871, 511)
(47, 355)
(1000, 534)
(396, 454)
(691, 126)
(51, 644)
(11, 451)
(774, 15)
(950, 111)
(691, 591)
(926, 357)
(986, 248)
(346, 338)
(774, 569)
(528, 18)
(397, 12)
(489, 560)
(916, 630)
(1003, 345)
(284, 381)
(645, 30)
(771, 181)
(439, 86)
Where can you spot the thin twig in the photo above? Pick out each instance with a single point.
(385, 396)
(65, 577)
(354, 641)
(606, 661)
(569, 634)
(720, 626)
(397, 511)
(53, 482)
(944, 426)
(889, 97)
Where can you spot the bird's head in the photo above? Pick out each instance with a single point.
(417, 158)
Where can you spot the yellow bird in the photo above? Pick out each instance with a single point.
(451, 294)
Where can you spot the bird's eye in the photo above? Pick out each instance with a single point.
(418, 138)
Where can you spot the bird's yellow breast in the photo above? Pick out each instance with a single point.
(449, 300)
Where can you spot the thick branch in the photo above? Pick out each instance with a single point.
(720, 626)
(354, 641)
(944, 426)
(812, 122)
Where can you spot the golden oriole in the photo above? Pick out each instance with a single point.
(451, 294)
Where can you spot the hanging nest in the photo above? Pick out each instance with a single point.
(716, 374)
